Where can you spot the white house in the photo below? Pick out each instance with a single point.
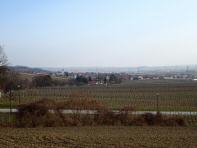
(140, 78)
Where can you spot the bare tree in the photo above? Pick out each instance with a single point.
(3, 67)
(8, 79)
(3, 58)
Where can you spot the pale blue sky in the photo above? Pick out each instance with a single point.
(61, 33)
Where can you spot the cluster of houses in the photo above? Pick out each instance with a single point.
(163, 77)
(100, 78)
(95, 78)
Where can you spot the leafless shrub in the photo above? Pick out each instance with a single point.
(42, 113)
(50, 113)
(158, 120)
(83, 101)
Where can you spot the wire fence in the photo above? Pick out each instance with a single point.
(176, 100)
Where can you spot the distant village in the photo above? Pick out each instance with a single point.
(101, 78)
(62, 77)
(34, 77)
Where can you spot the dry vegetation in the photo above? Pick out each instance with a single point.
(117, 136)
(49, 113)
(83, 101)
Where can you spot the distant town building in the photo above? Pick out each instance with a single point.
(92, 83)
(168, 78)
(140, 78)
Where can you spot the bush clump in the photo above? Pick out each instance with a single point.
(41, 113)
(83, 101)
(158, 120)
(83, 104)
(49, 113)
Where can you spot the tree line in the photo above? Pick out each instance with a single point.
(12, 80)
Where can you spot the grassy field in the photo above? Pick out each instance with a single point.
(150, 137)
(173, 95)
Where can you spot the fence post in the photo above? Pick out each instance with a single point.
(157, 101)
(10, 105)
(19, 95)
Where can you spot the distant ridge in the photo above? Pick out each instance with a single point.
(142, 69)
(25, 69)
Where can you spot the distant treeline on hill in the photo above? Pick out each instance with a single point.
(24, 69)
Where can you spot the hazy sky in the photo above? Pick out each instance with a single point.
(61, 33)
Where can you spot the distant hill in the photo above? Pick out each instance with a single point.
(144, 69)
(24, 69)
